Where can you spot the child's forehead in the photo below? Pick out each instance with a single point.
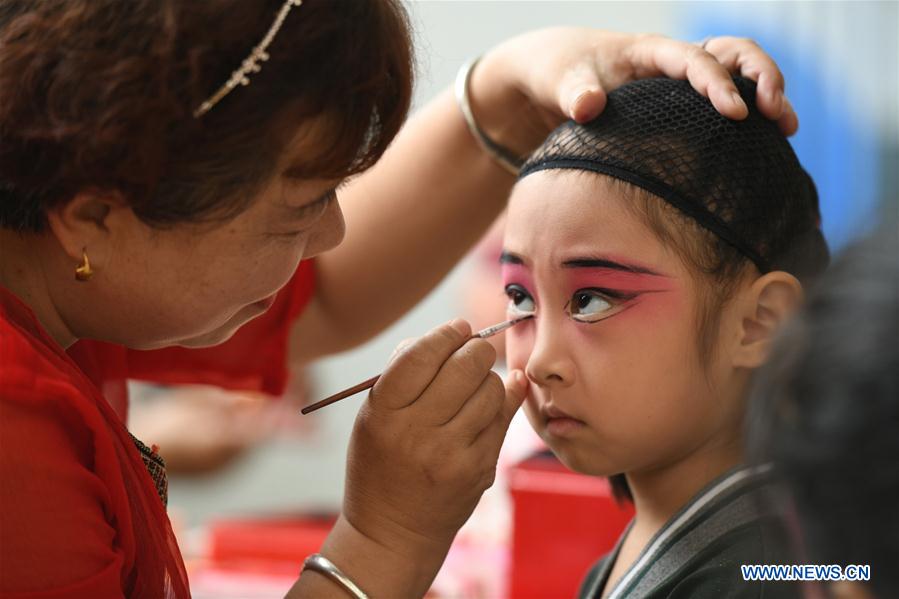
(562, 213)
(571, 197)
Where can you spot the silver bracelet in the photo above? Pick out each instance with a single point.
(319, 563)
(504, 156)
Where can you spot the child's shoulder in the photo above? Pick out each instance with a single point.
(593, 578)
(702, 550)
(712, 569)
(716, 570)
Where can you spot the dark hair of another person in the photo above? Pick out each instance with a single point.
(99, 94)
(825, 411)
(728, 196)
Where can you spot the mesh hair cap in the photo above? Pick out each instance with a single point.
(740, 180)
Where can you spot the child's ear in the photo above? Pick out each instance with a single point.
(769, 302)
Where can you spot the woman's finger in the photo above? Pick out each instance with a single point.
(491, 438)
(581, 96)
(480, 409)
(769, 94)
(745, 58)
(655, 55)
(415, 365)
(788, 122)
(459, 377)
(400, 348)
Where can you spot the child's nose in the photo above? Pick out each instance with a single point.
(550, 363)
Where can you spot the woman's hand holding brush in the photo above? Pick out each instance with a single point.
(424, 449)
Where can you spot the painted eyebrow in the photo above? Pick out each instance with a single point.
(510, 258)
(611, 264)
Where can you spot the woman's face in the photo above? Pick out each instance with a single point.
(195, 285)
(616, 383)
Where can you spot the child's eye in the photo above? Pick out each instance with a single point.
(520, 301)
(592, 305)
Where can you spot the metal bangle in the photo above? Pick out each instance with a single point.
(319, 563)
(504, 156)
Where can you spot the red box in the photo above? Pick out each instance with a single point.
(266, 544)
(563, 522)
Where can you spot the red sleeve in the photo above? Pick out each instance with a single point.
(254, 359)
(57, 537)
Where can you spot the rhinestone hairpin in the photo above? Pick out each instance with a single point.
(251, 64)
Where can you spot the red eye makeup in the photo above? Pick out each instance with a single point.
(597, 287)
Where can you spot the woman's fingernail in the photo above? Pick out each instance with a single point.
(518, 376)
(572, 107)
(572, 110)
(737, 99)
(578, 99)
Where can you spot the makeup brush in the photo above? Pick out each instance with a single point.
(483, 334)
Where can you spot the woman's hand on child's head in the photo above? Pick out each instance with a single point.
(562, 73)
(744, 57)
(425, 443)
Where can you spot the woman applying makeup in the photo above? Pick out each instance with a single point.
(168, 168)
(671, 245)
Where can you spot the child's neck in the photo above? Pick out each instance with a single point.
(660, 492)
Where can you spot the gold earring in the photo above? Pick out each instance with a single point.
(83, 271)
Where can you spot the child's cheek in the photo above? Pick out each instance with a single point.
(532, 412)
(519, 343)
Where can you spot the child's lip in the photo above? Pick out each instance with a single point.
(550, 412)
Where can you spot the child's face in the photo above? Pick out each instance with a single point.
(616, 383)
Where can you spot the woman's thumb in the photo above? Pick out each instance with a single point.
(516, 391)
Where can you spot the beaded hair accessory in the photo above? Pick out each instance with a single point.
(251, 64)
